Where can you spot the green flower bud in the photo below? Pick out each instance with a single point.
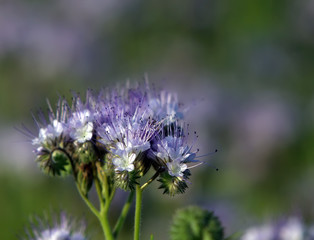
(193, 223)
(86, 153)
(126, 180)
(54, 163)
(142, 164)
(85, 177)
(173, 185)
(105, 174)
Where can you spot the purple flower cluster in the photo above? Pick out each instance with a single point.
(126, 131)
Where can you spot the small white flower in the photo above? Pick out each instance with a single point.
(172, 149)
(55, 234)
(165, 106)
(83, 133)
(124, 161)
(45, 134)
(56, 128)
(81, 126)
(259, 233)
(176, 168)
(61, 230)
(292, 230)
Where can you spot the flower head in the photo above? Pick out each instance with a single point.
(48, 133)
(173, 150)
(81, 126)
(165, 106)
(61, 229)
(122, 132)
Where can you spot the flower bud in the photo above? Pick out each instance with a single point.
(126, 180)
(86, 153)
(54, 163)
(85, 177)
(142, 164)
(173, 185)
(105, 174)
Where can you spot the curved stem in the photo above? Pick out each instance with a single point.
(98, 190)
(102, 174)
(150, 180)
(88, 203)
(102, 216)
(123, 215)
(138, 206)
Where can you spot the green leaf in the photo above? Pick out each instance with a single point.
(194, 223)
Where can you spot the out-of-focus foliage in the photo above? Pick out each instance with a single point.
(193, 223)
(248, 64)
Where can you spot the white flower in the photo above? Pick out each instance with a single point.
(83, 133)
(126, 152)
(176, 169)
(124, 160)
(292, 230)
(55, 234)
(172, 149)
(259, 233)
(165, 106)
(81, 126)
(45, 134)
(61, 230)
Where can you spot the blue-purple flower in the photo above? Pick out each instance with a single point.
(126, 130)
(60, 229)
(81, 126)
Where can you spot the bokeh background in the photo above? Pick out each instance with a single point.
(245, 68)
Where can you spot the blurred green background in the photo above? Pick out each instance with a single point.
(245, 68)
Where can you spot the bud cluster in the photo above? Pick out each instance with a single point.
(117, 136)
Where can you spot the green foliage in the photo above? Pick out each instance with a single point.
(194, 223)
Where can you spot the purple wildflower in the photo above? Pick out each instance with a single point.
(61, 229)
(125, 131)
(173, 150)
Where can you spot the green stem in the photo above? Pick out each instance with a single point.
(150, 180)
(98, 190)
(103, 176)
(88, 203)
(104, 203)
(138, 206)
(102, 215)
(123, 215)
(106, 226)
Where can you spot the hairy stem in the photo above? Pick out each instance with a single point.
(138, 207)
(123, 215)
(150, 180)
(88, 203)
